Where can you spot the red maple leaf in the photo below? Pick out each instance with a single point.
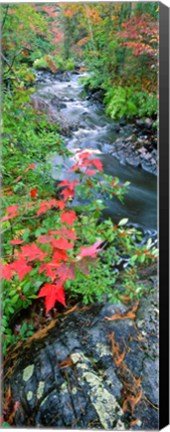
(6, 271)
(61, 244)
(69, 234)
(90, 172)
(5, 218)
(97, 163)
(68, 217)
(56, 203)
(43, 208)
(64, 273)
(47, 205)
(75, 167)
(12, 212)
(69, 184)
(50, 269)
(12, 209)
(91, 250)
(67, 193)
(32, 252)
(30, 167)
(16, 242)
(44, 238)
(33, 193)
(21, 267)
(84, 155)
(53, 293)
(59, 255)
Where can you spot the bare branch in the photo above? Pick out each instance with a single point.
(10, 67)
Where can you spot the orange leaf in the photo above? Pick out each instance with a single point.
(131, 314)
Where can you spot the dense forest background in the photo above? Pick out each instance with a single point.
(50, 250)
(118, 42)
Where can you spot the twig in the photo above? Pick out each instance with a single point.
(5, 16)
(10, 67)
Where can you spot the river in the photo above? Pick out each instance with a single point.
(95, 131)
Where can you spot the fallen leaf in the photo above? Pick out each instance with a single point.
(130, 314)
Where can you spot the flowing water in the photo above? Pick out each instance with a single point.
(93, 130)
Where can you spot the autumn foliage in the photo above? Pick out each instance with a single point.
(54, 262)
(53, 251)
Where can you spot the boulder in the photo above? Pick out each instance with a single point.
(86, 368)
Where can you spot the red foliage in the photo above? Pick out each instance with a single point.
(49, 269)
(33, 193)
(59, 255)
(12, 209)
(32, 252)
(65, 232)
(68, 217)
(67, 193)
(44, 239)
(91, 250)
(64, 273)
(19, 266)
(32, 166)
(52, 293)
(86, 162)
(61, 244)
(97, 163)
(141, 35)
(69, 184)
(12, 212)
(16, 242)
(47, 205)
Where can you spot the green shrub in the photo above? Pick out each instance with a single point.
(32, 215)
(49, 62)
(129, 101)
(59, 62)
(69, 65)
(40, 64)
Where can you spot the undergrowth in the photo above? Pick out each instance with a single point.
(50, 248)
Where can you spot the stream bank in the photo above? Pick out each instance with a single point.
(124, 148)
(131, 142)
(84, 370)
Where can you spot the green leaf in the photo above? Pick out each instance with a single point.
(123, 222)
(15, 299)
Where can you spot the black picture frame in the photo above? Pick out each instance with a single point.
(164, 214)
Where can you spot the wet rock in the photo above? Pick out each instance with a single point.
(151, 380)
(122, 122)
(142, 150)
(140, 123)
(149, 166)
(131, 139)
(98, 95)
(74, 376)
(133, 161)
(56, 102)
(148, 123)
